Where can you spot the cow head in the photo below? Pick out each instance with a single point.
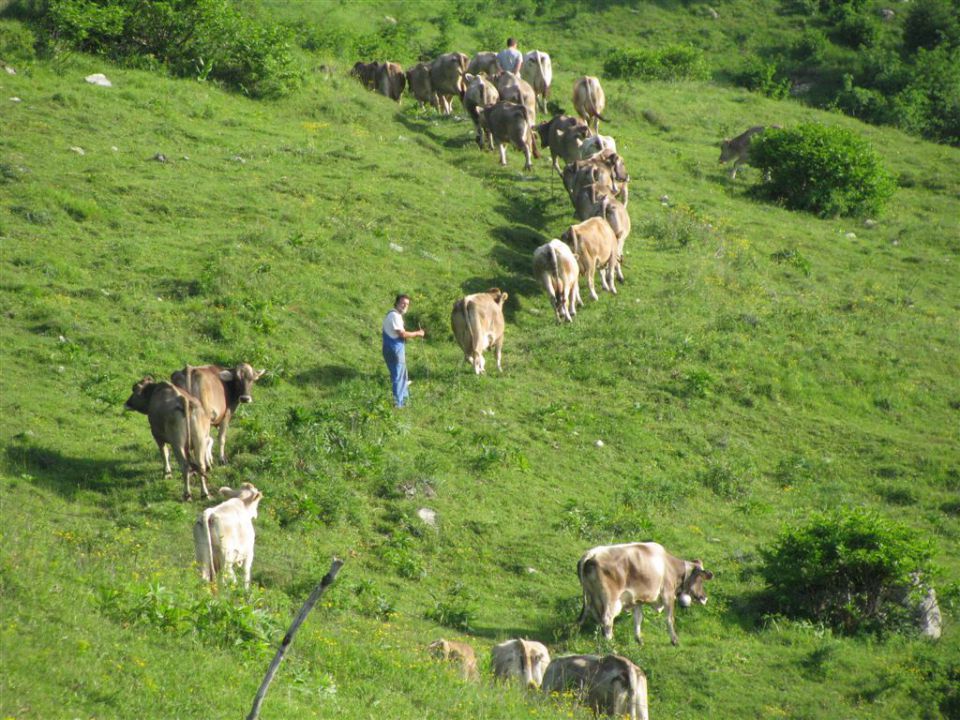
(247, 493)
(726, 150)
(499, 296)
(692, 586)
(243, 377)
(139, 400)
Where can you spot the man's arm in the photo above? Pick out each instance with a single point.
(407, 334)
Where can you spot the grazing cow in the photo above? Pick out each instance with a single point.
(220, 391)
(620, 577)
(525, 659)
(515, 89)
(563, 135)
(555, 266)
(446, 78)
(480, 93)
(595, 245)
(366, 73)
(223, 535)
(178, 419)
(477, 322)
(594, 145)
(611, 684)
(458, 653)
(484, 62)
(418, 80)
(538, 71)
(589, 101)
(738, 149)
(391, 80)
(506, 123)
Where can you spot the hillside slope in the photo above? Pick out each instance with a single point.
(756, 365)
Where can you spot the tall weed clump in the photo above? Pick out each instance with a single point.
(850, 570)
(673, 62)
(205, 39)
(824, 170)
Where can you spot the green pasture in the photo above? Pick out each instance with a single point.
(757, 365)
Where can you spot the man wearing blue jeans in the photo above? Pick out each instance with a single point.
(394, 350)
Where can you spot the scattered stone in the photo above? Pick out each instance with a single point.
(115, 148)
(15, 100)
(186, 157)
(98, 79)
(160, 158)
(886, 14)
(61, 369)
(237, 158)
(390, 19)
(713, 13)
(488, 413)
(9, 69)
(77, 150)
(428, 516)
(62, 339)
(851, 236)
(599, 443)
(396, 248)
(931, 622)
(869, 224)
(532, 571)
(664, 199)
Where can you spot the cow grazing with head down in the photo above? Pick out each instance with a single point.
(223, 535)
(478, 324)
(480, 93)
(555, 266)
(589, 101)
(738, 149)
(220, 391)
(458, 653)
(621, 577)
(518, 658)
(418, 80)
(366, 73)
(177, 419)
(563, 135)
(446, 78)
(537, 69)
(595, 245)
(391, 80)
(509, 123)
(611, 684)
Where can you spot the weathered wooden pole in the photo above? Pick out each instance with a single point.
(288, 638)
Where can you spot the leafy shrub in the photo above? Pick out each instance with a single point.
(762, 76)
(849, 569)
(825, 170)
(673, 62)
(455, 608)
(855, 30)
(810, 47)
(206, 39)
(16, 42)
(930, 23)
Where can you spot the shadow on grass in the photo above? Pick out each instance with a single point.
(66, 475)
(325, 375)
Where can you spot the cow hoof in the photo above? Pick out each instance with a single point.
(187, 497)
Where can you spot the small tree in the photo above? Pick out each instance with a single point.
(825, 170)
(849, 569)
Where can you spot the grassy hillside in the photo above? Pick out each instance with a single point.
(757, 365)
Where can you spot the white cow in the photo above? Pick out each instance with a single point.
(612, 684)
(537, 69)
(525, 659)
(556, 267)
(224, 536)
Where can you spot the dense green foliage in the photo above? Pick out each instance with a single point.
(821, 169)
(851, 570)
(671, 62)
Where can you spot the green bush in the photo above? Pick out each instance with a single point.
(16, 42)
(930, 23)
(762, 76)
(825, 170)
(855, 30)
(206, 39)
(849, 569)
(673, 62)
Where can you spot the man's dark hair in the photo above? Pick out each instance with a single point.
(511, 42)
(400, 297)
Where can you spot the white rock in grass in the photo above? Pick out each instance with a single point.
(77, 150)
(98, 79)
(10, 70)
(428, 516)
(599, 443)
(851, 236)
(869, 224)
(396, 248)
(15, 100)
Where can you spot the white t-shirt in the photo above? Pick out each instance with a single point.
(393, 323)
(509, 59)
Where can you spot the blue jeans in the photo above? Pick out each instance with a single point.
(394, 354)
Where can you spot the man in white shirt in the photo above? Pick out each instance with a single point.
(509, 59)
(394, 350)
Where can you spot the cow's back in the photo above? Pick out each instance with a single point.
(205, 385)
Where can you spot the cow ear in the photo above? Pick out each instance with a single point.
(698, 564)
(227, 492)
(226, 375)
(503, 297)
(259, 374)
(707, 575)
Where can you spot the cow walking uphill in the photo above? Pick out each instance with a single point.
(628, 576)
(223, 535)
(738, 148)
(589, 101)
(477, 322)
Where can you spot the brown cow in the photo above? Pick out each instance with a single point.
(615, 213)
(611, 684)
(537, 70)
(480, 93)
(477, 322)
(589, 100)
(446, 78)
(366, 73)
(484, 62)
(506, 123)
(515, 89)
(418, 80)
(738, 149)
(178, 419)
(555, 266)
(563, 135)
(620, 577)
(458, 653)
(391, 80)
(220, 391)
(524, 659)
(606, 168)
(595, 245)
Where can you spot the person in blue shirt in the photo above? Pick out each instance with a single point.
(509, 59)
(394, 350)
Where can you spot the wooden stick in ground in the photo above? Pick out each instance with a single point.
(288, 638)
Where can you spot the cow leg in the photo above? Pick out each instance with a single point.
(673, 631)
(222, 439)
(591, 270)
(165, 456)
(499, 348)
(503, 154)
(611, 272)
(528, 165)
(247, 567)
(637, 622)
(184, 463)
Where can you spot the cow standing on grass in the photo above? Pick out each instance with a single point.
(446, 78)
(457, 653)
(555, 266)
(589, 101)
(612, 685)
(563, 135)
(523, 659)
(738, 148)
(477, 322)
(537, 69)
(224, 536)
(508, 123)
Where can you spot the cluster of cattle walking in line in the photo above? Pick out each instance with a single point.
(613, 578)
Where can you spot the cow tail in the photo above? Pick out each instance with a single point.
(533, 141)
(207, 518)
(555, 280)
(470, 315)
(581, 575)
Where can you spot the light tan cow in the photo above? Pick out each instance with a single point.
(621, 577)
(178, 419)
(484, 62)
(509, 123)
(223, 535)
(615, 213)
(418, 80)
(446, 78)
(537, 69)
(738, 148)
(611, 685)
(595, 245)
(587, 197)
(555, 266)
(480, 93)
(563, 135)
(594, 145)
(518, 658)
(589, 101)
(391, 80)
(457, 653)
(478, 324)
(515, 89)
